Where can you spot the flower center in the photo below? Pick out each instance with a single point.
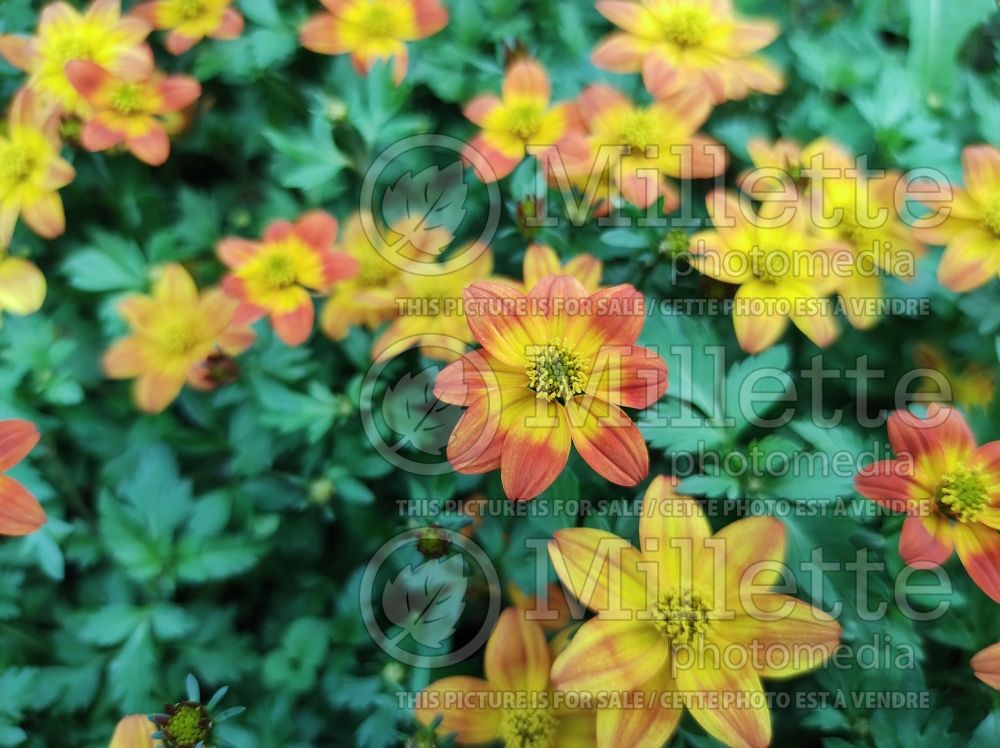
(991, 216)
(524, 120)
(685, 26)
(179, 339)
(188, 726)
(379, 21)
(72, 47)
(638, 130)
(279, 271)
(528, 728)
(375, 273)
(554, 371)
(191, 9)
(16, 165)
(127, 99)
(681, 617)
(962, 493)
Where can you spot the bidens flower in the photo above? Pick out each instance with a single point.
(541, 260)
(697, 45)
(129, 109)
(275, 276)
(556, 366)
(950, 489)
(514, 704)
(100, 35)
(20, 512)
(173, 332)
(986, 666)
(134, 731)
(688, 614)
(372, 30)
(971, 231)
(22, 287)
(32, 171)
(520, 119)
(190, 21)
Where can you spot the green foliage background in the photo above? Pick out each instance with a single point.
(226, 536)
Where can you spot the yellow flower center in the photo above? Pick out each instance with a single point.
(127, 99)
(191, 9)
(962, 493)
(528, 728)
(638, 130)
(379, 21)
(375, 273)
(681, 617)
(555, 372)
(685, 26)
(524, 120)
(16, 165)
(991, 216)
(72, 47)
(279, 271)
(179, 339)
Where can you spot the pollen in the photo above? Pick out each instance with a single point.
(681, 617)
(189, 725)
(528, 728)
(991, 216)
(638, 129)
(524, 120)
(685, 26)
(379, 21)
(16, 165)
(191, 9)
(127, 99)
(71, 47)
(962, 494)
(279, 271)
(179, 338)
(555, 372)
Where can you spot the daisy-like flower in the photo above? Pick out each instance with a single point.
(100, 35)
(130, 109)
(430, 313)
(779, 167)
(699, 45)
(31, 170)
(638, 147)
(949, 488)
(971, 232)
(514, 704)
(556, 367)
(520, 118)
(986, 666)
(134, 731)
(174, 331)
(675, 614)
(784, 272)
(372, 30)
(190, 21)
(971, 387)
(22, 287)
(541, 260)
(275, 277)
(20, 512)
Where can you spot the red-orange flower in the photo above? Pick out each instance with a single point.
(541, 260)
(20, 512)
(276, 276)
(190, 21)
(986, 665)
(130, 109)
(556, 367)
(949, 487)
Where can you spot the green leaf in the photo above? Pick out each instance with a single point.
(132, 671)
(110, 263)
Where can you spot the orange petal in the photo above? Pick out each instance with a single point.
(466, 380)
(87, 77)
(477, 110)
(943, 439)
(476, 442)
(926, 542)
(45, 215)
(619, 53)
(627, 15)
(321, 33)
(17, 439)
(497, 314)
(526, 79)
(982, 171)
(599, 569)
(429, 16)
(535, 449)
(178, 43)
(517, 655)
(608, 440)
(152, 148)
(587, 269)
(748, 551)
(489, 161)
(610, 655)
(672, 531)
(20, 512)
(648, 727)
(231, 25)
(631, 376)
(969, 261)
(662, 77)
(154, 391)
(539, 260)
(470, 725)
(318, 229)
(889, 482)
(294, 327)
(124, 360)
(728, 704)
(986, 666)
(134, 731)
(96, 136)
(619, 312)
(756, 319)
(22, 286)
(17, 50)
(234, 251)
(979, 548)
(179, 92)
(338, 266)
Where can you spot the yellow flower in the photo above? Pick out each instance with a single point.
(687, 620)
(541, 260)
(99, 35)
(173, 332)
(971, 387)
(22, 287)
(134, 731)
(32, 171)
(190, 21)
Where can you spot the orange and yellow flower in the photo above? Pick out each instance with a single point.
(541, 260)
(972, 387)
(784, 271)
(514, 704)
(276, 276)
(949, 488)
(519, 119)
(134, 731)
(20, 512)
(698, 45)
(780, 167)
(372, 30)
(556, 367)
(22, 287)
(190, 21)
(130, 109)
(100, 35)
(986, 666)
(31, 170)
(688, 619)
(971, 231)
(173, 332)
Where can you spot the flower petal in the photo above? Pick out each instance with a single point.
(321, 33)
(986, 665)
(469, 725)
(154, 391)
(757, 322)
(979, 548)
(96, 136)
(610, 655)
(295, 326)
(728, 704)
(179, 92)
(535, 448)
(939, 442)
(20, 512)
(497, 316)
(969, 261)
(22, 286)
(926, 542)
(526, 80)
(748, 551)
(648, 727)
(599, 569)
(124, 360)
(539, 260)
(231, 25)
(619, 53)
(672, 532)
(517, 655)
(17, 439)
(45, 215)
(152, 148)
(608, 440)
(981, 164)
(630, 376)
(890, 483)
(317, 228)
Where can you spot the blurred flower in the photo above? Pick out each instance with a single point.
(972, 387)
(191, 724)
(698, 45)
(971, 231)
(554, 606)
(675, 613)
(986, 666)
(20, 512)
(32, 171)
(22, 287)
(190, 21)
(520, 711)
(130, 109)
(511, 123)
(134, 731)
(369, 298)
(784, 272)
(949, 488)
(372, 30)
(430, 312)
(100, 35)
(275, 276)
(779, 167)
(541, 260)
(555, 367)
(173, 332)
